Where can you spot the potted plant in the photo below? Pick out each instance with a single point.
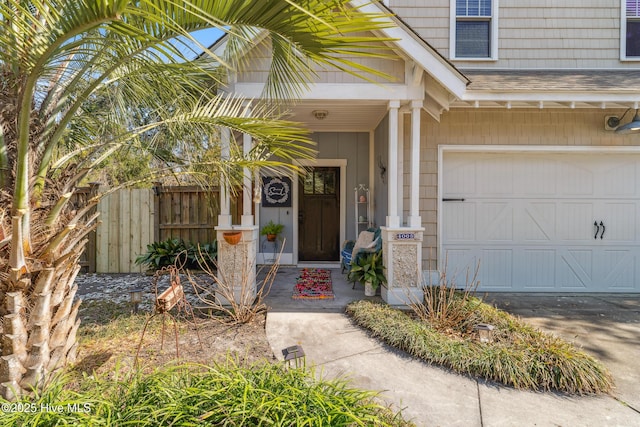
(271, 230)
(232, 237)
(369, 270)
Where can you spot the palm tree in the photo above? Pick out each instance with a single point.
(71, 72)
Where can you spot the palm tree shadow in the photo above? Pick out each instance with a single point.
(92, 362)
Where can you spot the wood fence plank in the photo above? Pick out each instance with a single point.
(124, 222)
(184, 214)
(146, 229)
(114, 233)
(90, 253)
(102, 237)
(165, 213)
(175, 208)
(135, 230)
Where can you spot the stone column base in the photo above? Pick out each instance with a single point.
(402, 257)
(237, 265)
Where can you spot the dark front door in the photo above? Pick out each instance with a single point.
(319, 215)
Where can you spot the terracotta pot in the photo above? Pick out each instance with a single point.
(232, 237)
(271, 237)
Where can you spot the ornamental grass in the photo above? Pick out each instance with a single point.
(519, 355)
(195, 395)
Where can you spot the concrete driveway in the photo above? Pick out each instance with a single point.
(607, 326)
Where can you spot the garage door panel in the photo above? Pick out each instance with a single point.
(528, 180)
(576, 179)
(460, 178)
(458, 228)
(575, 269)
(620, 220)
(529, 219)
(624, 171)
(537, 222)
(538, 268)
(495, 221)
(619, 269)
(460, 264)
(575, 221)
(496, 269)
(494, 176)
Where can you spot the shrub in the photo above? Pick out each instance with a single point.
(175, 251)
(199, 395)
(521, 356)
(444, 307)
(239, 294)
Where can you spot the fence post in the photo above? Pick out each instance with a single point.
(157, 191)
(94, 188)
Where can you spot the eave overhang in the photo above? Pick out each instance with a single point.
(602, 89)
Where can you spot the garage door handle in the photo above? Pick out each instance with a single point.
(597, 229)
(452, 200)
(603, 228)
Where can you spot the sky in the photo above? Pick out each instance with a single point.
(207, 37)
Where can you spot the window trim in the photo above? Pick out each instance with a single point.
(493, 27)
(623, 34)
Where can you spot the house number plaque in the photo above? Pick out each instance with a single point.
(405, 236)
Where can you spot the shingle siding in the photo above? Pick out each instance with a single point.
(257, 68)
(532, 34)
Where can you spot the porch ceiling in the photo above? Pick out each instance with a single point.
(351, 116)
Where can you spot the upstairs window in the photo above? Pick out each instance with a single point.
(474, 29)
(631, 29)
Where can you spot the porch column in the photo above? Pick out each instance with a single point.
(400, 170)
(393, 220)
(224, 218)
(236, 261)
(247, 196)
(402, 246)
(414, 214)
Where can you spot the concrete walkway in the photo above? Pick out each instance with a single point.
(607, 326)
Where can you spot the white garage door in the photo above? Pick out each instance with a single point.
(543, 222)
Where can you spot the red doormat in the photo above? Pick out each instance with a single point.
(313, 283)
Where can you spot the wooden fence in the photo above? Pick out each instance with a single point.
(79, 199)
(131, 219)
(125, 230)
(190, 213)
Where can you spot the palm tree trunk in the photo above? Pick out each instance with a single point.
(39, 324)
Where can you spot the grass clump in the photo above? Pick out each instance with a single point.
(520, 355)
(218, 395)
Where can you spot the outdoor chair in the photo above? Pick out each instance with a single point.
(369, 241)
